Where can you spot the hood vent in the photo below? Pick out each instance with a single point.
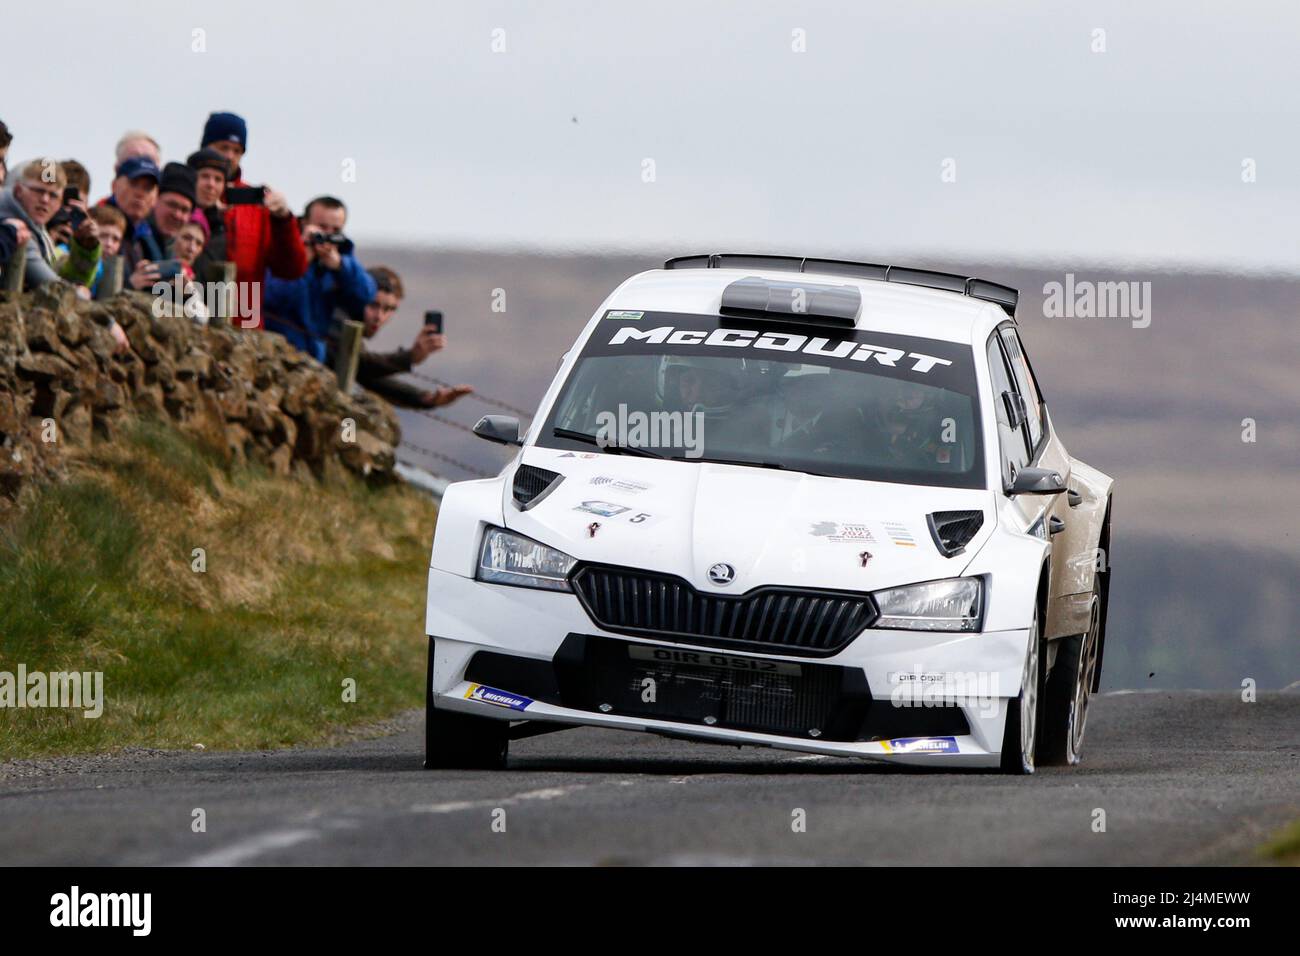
(532, 484)
(953, 530)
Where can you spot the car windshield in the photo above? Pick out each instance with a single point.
(823, 400)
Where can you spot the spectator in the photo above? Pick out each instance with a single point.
(188, 243)
(78, 179)
(211, 172)
(112, 227)
(302, 310)
(260, 238)
(137, 143)
(5, 139)
(65, 221)
(375, 370)
(173, 208)
(135, 190)
(34, 196)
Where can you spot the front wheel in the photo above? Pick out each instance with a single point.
(1069, 691)
(1020, 736)
(461, 741)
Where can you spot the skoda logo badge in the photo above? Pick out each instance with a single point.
(721, 574)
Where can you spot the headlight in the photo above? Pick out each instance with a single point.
(950, 605)
(509, 558)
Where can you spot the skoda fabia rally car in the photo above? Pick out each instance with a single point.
(785, 502)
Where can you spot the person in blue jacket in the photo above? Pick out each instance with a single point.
(302, 309)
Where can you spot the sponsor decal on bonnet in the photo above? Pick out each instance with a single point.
(606, 509)
(620, 484)
(899, 534)
(841, 532)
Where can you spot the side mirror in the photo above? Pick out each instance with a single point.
(501, 429)
(1014, 408)
(1036, 481)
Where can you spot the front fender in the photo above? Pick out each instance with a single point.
(467, 507)
(1013, 564)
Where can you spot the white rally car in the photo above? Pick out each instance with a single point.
(785, 502)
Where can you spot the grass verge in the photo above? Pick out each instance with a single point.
(246, 643)
(1284, 847)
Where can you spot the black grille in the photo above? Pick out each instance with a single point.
(710, 688)
(789, 620)
(953, 530)
(531, 483)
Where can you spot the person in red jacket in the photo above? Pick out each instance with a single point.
(261, 236)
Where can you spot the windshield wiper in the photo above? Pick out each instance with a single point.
(751, 463)
(612, 449)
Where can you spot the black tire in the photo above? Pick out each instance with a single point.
(1069, 691)
(1017, 748)
(460, 741)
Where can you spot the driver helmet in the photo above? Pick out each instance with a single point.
(699, 383)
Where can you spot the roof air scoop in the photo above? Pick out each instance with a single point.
(756, 297)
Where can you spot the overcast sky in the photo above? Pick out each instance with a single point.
(1133, 155)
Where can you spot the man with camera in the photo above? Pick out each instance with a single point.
(262, 238)
(378, 371)
(302, 309)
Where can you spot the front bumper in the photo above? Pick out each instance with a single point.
(973, 674)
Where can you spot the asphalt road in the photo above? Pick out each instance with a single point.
(1183, 778)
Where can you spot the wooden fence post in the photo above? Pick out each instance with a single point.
(16, 268)
(110, 280)
(349, 355)
(226, 299)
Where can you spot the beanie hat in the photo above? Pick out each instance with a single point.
(208, 158)
(225, 127)
(198, 216)
(180, 179)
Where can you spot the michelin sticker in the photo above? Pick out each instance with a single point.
(920, 745)
(490, 695)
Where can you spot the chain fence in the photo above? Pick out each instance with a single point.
(433, 455)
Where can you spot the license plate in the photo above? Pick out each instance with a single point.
(671, 655)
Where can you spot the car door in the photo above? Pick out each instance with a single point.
(1067, 533)
(1014, 449)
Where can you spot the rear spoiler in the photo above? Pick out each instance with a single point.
(1001, 295)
